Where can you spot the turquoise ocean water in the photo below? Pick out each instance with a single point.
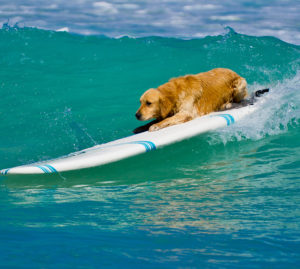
(226, 199)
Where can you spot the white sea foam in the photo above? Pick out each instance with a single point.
(279, 111)
(64, 29)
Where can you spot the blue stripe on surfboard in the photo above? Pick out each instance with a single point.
(5, 171)
(144, 144)
(226, 118)
(43, 168)
(152, 145)
(147, 144)
(230, 117)
(52, 169)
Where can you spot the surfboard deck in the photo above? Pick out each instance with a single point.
(137, 144)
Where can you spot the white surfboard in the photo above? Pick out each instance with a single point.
(135, 144)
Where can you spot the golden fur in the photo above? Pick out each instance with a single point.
(187, 97)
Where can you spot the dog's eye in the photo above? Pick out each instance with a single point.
(148, 103)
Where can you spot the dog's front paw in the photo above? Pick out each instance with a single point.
(154, 127)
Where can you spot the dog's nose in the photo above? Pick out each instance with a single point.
(138, 115)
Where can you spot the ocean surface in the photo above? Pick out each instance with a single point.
(225, 199)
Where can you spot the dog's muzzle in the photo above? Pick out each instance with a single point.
(138, 115)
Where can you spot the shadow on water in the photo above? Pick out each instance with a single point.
(191, 158)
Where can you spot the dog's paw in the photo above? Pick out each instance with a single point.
(154, 127)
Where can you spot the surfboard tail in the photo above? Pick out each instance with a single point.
(259, 93)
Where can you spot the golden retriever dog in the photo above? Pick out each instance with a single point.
(187, 97)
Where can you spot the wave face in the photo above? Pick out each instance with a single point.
(236, 187)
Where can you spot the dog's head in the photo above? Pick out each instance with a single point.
(154, 105)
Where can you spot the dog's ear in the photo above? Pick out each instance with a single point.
(166, 106)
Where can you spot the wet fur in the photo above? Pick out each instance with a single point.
(187, 97)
